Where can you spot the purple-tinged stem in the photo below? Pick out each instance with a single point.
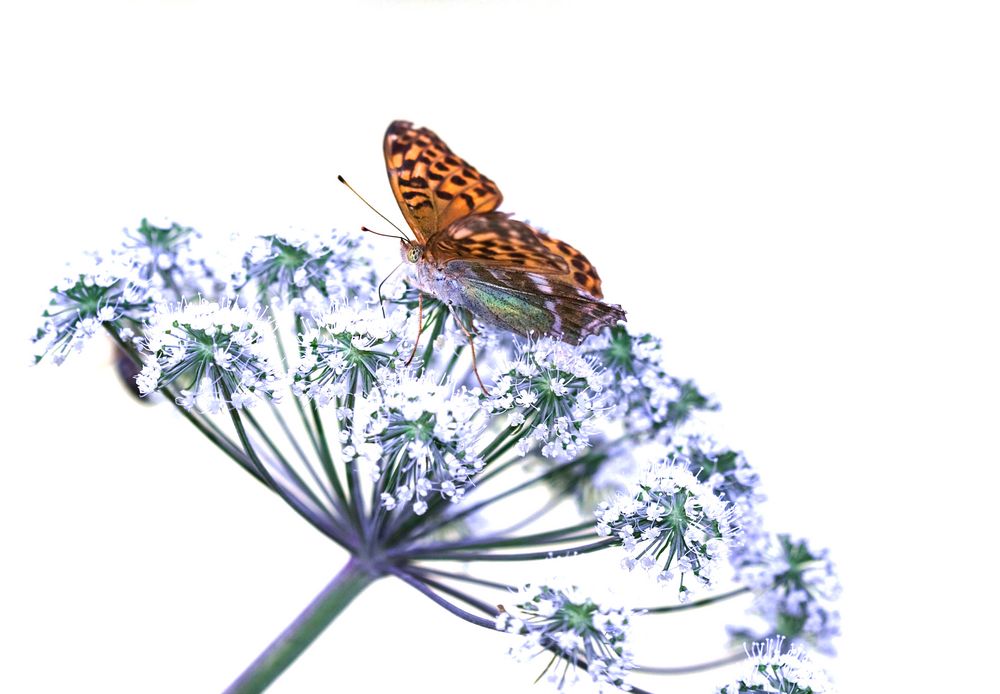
(290, 644)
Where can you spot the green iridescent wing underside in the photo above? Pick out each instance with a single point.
(531, 304)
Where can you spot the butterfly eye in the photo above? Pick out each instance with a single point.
(413, 254)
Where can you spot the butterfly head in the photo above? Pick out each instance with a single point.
(411, 252)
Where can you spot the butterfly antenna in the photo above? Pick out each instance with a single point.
(372, 208)
(381, 301)
(379, 233)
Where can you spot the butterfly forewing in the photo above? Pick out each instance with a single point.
(433, 186)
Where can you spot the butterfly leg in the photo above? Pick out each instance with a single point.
(472, 346)
(420, 326)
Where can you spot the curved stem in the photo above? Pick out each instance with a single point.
(688, 669)
(438, 506)
(324, 486)
(284, 360)
(352, 498)
(561, 535)
(325, 455)
(470, 600)
(463, 577)
(437, 329)
(410, 580)
(552, 503)
(290, 644)
(285, 467)
(697, 603)
(440, 522)
(521, 556)
(321, 520)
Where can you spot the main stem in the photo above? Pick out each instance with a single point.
(290, 644)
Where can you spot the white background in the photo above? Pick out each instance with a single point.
(800, 197)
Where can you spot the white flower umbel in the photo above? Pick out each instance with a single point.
(778, 671)
(566, 623)
(670, 521)
(552, 392)
(725, 471)
(172, 259)
(626, 462)
(793, 585)
(99, 292)
(311, 272)
(414, 437)
(212, 352)
(644, 394)
(348, 350)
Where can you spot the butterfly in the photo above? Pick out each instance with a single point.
(470, 256)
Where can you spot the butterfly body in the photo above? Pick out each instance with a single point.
(431, 278)
(503, 271)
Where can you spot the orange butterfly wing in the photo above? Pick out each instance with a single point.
(495, 240)
(504, 271)
(433, 186)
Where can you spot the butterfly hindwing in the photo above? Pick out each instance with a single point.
(433, 186)
(532, 304)
(497, 240)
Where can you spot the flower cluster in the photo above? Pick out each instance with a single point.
(624, 463)
(671, 519)
(793, 584)
(415, 436)
(645, 395)
(774, 669)
(349, 350)
(312, 272)
(212, 352)
(567, 622)
(171, 259)
(552, 392)
(91, 296)
(726, 472)
(153, 265)
(646, 408)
